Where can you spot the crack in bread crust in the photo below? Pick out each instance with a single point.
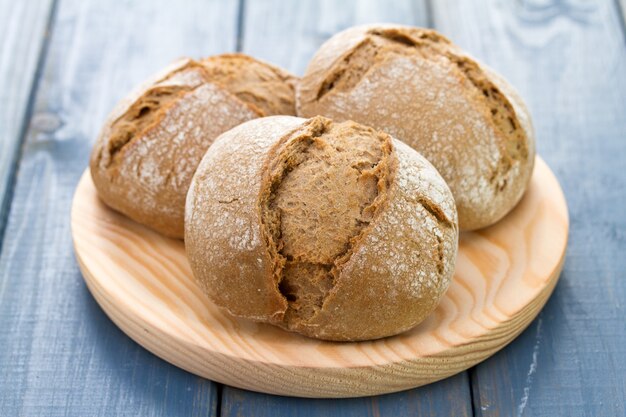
(150, 108)
(376, 46)
(323, 186)
(435, 211)
(340, 79)
(146, 112)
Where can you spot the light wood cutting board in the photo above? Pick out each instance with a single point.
(504, 276)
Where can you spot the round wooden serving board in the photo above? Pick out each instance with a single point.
(503, 278)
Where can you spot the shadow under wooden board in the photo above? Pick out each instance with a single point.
(504, 276)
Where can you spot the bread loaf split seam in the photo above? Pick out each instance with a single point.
(387, 254)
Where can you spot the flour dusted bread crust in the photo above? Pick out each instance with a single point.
(151, 144)
(419, 87)
(333, 230)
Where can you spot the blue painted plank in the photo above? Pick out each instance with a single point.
(22, 38)
(438, 399)
(287, 34)
(59, 354)
(568, 59)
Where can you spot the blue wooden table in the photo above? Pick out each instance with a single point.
(63, 65)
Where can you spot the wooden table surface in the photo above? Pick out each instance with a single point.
(64, 64)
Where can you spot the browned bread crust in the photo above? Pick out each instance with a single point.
(152, 142)
(333, 230)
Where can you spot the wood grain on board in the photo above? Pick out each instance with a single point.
(23, 26)
(568, 60)
(59, 354)
(504, 276)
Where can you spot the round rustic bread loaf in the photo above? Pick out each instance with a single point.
(332, 230)
(152, 142)
(419, 87)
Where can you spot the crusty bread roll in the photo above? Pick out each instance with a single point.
(332, 230)
(152, 142)
(419, 87)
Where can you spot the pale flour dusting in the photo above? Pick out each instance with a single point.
(179, 142)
